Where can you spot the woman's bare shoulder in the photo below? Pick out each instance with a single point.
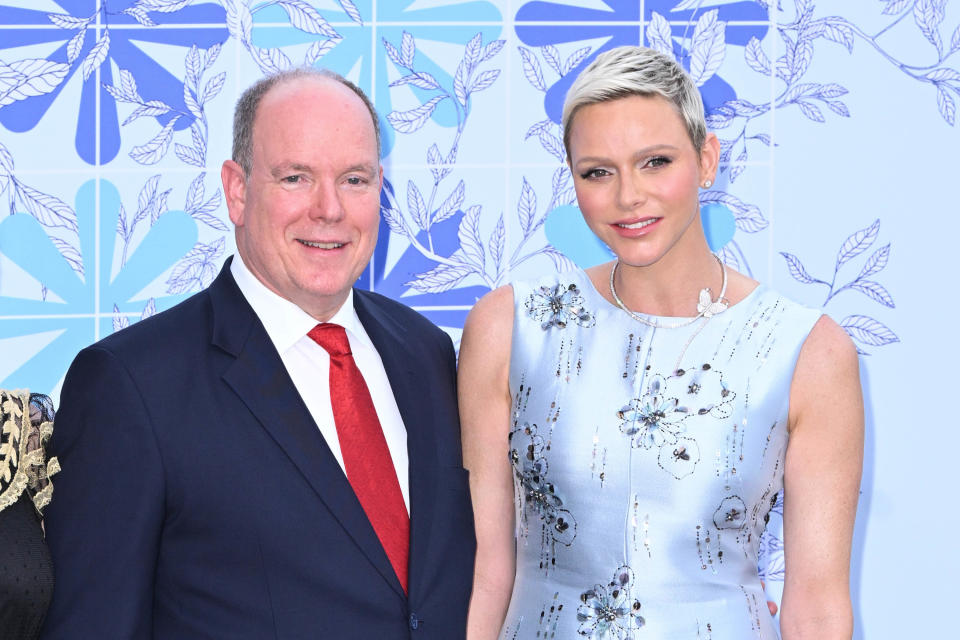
(495, 309)
(827, 372)
(739, 286)
(488, 328)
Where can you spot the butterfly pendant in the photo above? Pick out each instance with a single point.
(707, 307)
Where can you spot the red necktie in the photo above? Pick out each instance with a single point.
(366, 457)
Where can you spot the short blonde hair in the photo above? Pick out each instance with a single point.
(636, 71)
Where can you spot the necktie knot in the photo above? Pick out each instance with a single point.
(332, 337)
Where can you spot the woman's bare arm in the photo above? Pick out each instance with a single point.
(822, 479)
(484, 396)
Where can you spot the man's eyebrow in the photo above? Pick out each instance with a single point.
(363, 168)
(287, 167)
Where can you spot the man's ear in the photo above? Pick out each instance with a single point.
(234, 190)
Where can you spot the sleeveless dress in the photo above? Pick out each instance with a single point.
(645, 463)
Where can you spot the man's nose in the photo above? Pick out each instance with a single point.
(326, 203)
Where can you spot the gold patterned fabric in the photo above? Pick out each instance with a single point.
(27, 425)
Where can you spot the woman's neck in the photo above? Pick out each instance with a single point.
(671, 286)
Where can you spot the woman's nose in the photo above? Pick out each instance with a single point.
(630, 191)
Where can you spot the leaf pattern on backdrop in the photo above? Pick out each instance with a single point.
(478, 256)
(98, 279)
(302, 15)
(92, 41)
(196, 95)
(865, 330)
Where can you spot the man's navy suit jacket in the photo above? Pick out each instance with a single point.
(198, 499)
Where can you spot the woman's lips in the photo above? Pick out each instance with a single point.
(635, 228)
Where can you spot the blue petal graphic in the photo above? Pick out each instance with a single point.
(24, 241)
(356, 47)
(719, 224)
(154, 81)
(715, 91)
(569, 234)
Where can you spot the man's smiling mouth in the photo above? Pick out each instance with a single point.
(321, 245)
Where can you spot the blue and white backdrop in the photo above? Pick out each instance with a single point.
(837, 122)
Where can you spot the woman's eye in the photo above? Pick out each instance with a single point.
(593, 174)
(658, 161)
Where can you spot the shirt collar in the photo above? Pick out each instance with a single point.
(285, 322)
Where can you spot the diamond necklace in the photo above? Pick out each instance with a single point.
(706, 306)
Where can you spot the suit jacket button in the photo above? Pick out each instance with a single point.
(414, 621)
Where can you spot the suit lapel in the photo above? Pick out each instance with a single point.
(413, 398)
(262, 383)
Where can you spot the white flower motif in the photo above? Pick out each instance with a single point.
(539, 495)
(558, 306)
(610, 611)
(653, 420)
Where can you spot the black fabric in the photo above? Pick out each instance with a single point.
(26, 572)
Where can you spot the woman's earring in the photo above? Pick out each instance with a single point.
(707, 184)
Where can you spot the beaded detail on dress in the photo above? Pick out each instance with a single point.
(651, 454)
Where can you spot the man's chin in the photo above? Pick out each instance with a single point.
(321, 299)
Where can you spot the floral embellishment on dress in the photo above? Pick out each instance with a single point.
(680, 459)
(558, 306)
(731, 514)
(705, 389)
(658, 419)
(653, 420)
(537, 494)
(610, 612)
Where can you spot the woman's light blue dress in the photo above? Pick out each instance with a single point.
(645, 462)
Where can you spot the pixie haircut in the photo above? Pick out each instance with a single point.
(246, 110)
(636, 71)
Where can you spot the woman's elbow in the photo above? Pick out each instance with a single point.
(816, 616)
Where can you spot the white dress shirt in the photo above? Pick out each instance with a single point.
(309, 365)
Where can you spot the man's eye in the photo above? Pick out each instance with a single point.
(355, 180)
(293, 179)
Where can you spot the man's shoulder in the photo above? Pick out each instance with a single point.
(400, 313)
(181, 324)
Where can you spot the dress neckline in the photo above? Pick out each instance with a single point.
(589, 286)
